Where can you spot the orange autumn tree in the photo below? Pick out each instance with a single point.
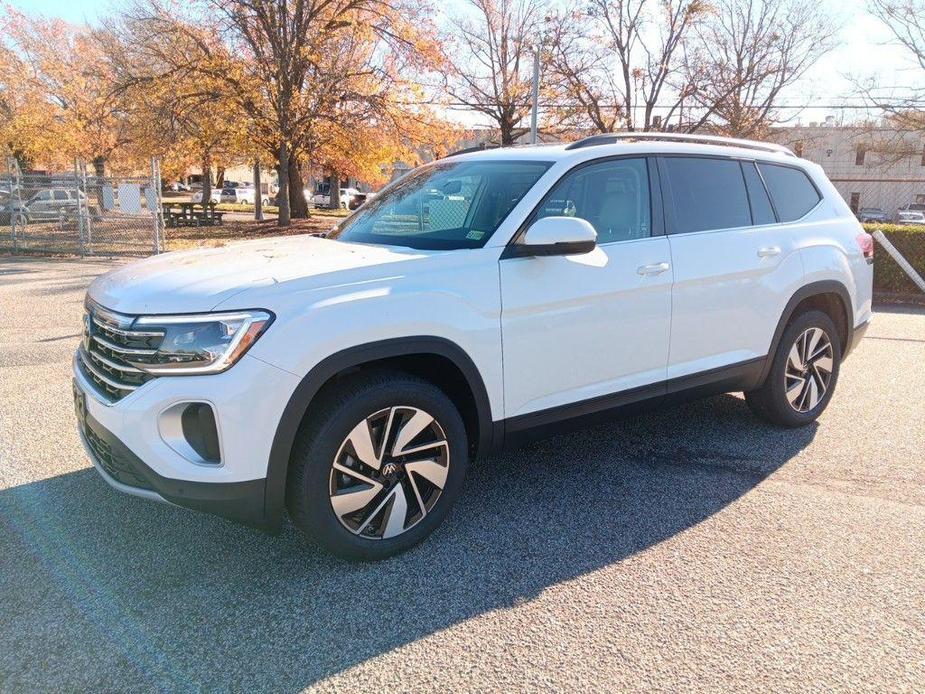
(299, 70)
(70, 109)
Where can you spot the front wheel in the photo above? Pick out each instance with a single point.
(377, 465)
(803, 373)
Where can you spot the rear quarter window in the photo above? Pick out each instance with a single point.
(792, 193)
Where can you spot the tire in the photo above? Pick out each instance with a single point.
(810, 387)
(346, 426)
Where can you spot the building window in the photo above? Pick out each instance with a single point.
(859, 157)
(923, 155)
(798, 149)
(855, 202)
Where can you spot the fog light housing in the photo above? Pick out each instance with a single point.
(191, 429)
(200, 432)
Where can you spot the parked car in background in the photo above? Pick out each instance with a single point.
(350, 379)
(44, 205)
(914, 217)
(244, 194)
(872, 214)
(216, 195)
(322, 196)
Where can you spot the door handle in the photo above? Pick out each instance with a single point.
(768, 251)
(653, 269)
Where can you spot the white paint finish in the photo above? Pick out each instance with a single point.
(574, 327)
(728, 295)
(577, 327)
(248, 401)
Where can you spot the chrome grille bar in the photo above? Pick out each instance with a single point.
(88, 363)
(127, 333)
(123, 350)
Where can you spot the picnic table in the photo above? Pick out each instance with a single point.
(185, 214)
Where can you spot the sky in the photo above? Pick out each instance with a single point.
(862, 51)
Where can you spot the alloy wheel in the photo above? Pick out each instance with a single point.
(389, 472)
(809, 369)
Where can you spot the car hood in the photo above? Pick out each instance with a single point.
(197, 281)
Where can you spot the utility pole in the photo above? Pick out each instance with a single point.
(536, 93)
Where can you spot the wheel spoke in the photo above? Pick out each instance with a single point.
(362, 440)
(350, 501)
(414, 426)
(394, 521)
(810, 344)
(824, 363)
(811, 397)
(794, 391)
(430, 470)
(417, 495)
(794, 359)
(353, 473)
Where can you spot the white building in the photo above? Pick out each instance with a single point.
(871, 166)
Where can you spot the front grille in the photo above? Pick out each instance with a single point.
(109, 346)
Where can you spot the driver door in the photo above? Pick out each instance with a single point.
(579, 331)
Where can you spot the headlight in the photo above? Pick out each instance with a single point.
(200, 344)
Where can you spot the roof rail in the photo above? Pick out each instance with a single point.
(477, 148)
(611, 138)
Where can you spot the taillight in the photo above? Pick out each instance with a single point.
(866, 244)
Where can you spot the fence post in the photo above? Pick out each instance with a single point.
(900, 260)
(13, 167)
(82, 227)
(158, 211)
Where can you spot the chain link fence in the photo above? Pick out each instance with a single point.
(78, 213)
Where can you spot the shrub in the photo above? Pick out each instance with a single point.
(910, 241)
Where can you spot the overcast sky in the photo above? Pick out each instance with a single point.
(863, 50)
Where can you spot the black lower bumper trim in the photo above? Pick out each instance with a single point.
(856, 336)
(238, 501)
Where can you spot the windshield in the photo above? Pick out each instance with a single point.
(445, 206)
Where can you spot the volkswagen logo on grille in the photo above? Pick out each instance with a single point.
(88, 320)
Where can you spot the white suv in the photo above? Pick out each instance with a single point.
(480, 299)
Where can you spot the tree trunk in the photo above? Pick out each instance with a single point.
(297, 202)
(99, 167)
(206, 177)
(283, 218)
(334, 191)
(258, 194)
(507, 133)
(220, 177)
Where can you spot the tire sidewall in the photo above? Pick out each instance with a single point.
(320, 520)
(803, 322)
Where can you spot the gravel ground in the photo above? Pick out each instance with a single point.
(693, 549)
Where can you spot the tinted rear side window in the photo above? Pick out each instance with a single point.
(791, 190)
(706, 194)
(762, 212)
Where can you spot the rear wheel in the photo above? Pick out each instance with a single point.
(377, 465)
(803, 374)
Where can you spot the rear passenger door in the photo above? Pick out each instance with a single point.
(734, 255)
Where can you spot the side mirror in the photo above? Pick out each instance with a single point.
(556, 236)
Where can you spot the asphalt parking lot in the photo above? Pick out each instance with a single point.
(692, 549)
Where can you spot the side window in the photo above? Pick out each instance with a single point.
(612, 195)
(762, 212)
(44, 195)
(707, 194)
(791, 190)
(60, 195)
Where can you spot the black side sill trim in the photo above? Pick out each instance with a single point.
(743, 375)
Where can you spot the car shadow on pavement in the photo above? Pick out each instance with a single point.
(111, 591)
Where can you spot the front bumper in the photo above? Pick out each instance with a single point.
(126, 444)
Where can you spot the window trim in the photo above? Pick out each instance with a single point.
(754, 160)
(668, 195)
(656, 212)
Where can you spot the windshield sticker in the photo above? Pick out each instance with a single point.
(475, 235)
